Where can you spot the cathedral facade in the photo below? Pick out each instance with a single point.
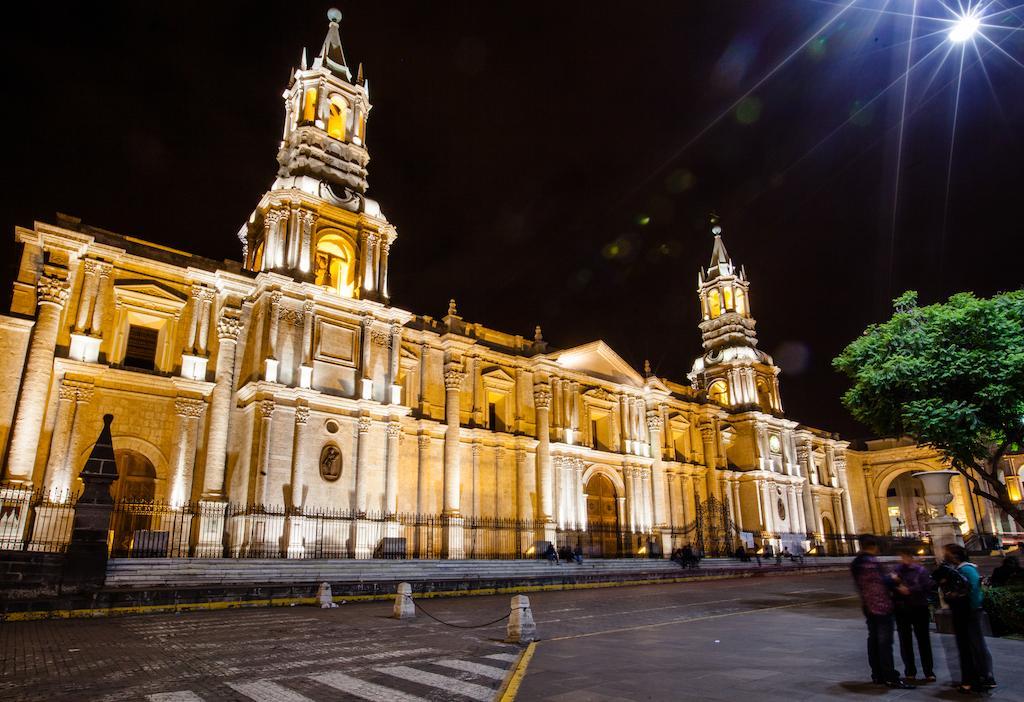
(289, 379)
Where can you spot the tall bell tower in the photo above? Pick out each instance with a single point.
(316, 224)
(732, 371)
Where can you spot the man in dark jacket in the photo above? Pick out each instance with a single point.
(962, 589)
(913, 617)
(874, 586)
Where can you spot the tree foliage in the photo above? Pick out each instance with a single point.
(949, 375)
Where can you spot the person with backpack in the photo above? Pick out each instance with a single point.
(960, 583)
(875, 588)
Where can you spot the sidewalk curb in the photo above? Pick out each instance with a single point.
(510, 687)
(293, 601)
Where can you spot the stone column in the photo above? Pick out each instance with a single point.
(630, 474)
(524, 505)
(51, 294)
(394, 432)
(85, 298)
(306, 369)
(557, 488)
(453, 376)
(626, 443)
(365, 390)
(187, 411)
(423, 443)
(273, 334)
(673, 500)
(737, 506)
(294, 525)
(645, 484)
(499, 455)
(212, 505)
(581, 498)
(385, 250)
(362, 464)
(794, 510)
(542, 402)
(307, 218)
(707, 435)
(395, 390)
(265, 413)
(99, 309)
(851, 527)
(685, 490)
(58, 476)
(654, 427)
(228, 327)
(769, 507)
(270, 220)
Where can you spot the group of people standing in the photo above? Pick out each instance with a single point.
(900, 599)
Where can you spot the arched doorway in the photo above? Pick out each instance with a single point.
(602, 517)
(906, 512)
(134, 492)
(829, 534)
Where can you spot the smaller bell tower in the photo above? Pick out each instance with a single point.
(732, 371)
(316, 224)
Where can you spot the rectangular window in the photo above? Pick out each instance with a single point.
(496, 411)
(141, 348)
(601, 431)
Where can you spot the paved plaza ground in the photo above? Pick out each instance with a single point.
(780, 638)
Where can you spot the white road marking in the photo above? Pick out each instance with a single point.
(363, 689)
(507, 657)
(180, 696)
(488, 671)
(443, 682)
(268, 691)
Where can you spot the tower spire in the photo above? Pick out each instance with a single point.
(332, 56)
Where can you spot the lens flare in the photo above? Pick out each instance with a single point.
(965, 27)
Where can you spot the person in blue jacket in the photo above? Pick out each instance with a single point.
(965, 601)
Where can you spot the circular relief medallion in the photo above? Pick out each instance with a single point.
(330, 463)
(782, 509)
(774, 444)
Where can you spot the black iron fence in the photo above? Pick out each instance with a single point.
(35, 519)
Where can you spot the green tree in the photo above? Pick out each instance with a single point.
(950, 376)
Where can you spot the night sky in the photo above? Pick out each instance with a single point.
(539, 159)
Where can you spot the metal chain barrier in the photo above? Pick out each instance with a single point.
(457, 626)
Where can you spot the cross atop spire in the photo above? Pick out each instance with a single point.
(332, 56)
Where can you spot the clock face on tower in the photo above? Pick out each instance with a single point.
(774, 443)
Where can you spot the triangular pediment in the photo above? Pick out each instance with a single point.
(150, 288)
(599, 360)
(496, 373)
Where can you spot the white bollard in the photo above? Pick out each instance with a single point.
(324, 596)
(404, 607)
(521, 627)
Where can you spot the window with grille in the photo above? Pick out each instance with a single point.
(141, 348)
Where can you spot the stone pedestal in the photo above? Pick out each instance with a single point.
(547, 532)
(365, 536)
(51, 526)
(665, 538)
(295, 536)
(211, 529)
(521, 627)
(404, 606)
(452, 545)
(14, 502)
(944, 530)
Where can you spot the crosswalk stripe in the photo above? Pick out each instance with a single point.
(488, 671)
(268, 691)
(363, 689)
(507, 657)
(468, 689)
(179, 696)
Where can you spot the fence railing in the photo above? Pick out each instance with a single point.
(35, 519)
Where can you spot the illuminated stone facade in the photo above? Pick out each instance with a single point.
(289, 379)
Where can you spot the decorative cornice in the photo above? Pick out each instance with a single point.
(189, 407)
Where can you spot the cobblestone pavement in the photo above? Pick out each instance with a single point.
(787, 637)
